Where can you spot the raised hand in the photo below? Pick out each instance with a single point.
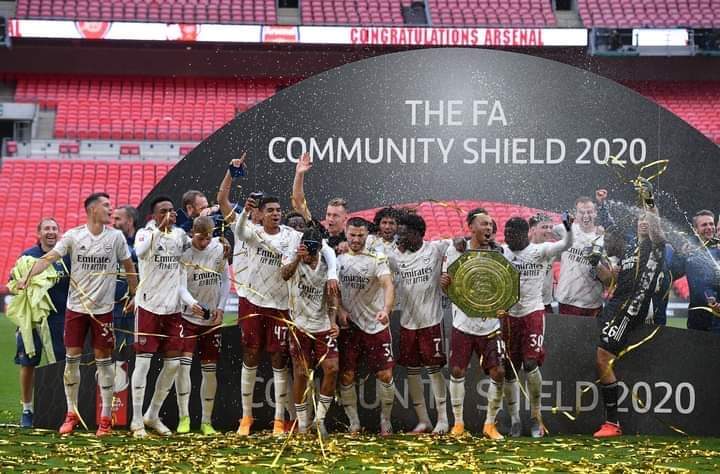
(304, 164)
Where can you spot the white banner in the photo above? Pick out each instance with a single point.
(352, 35)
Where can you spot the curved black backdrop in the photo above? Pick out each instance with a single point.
(541, 100)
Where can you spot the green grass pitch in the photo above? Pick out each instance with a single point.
(30, 450)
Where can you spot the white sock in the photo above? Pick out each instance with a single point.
(27, 406)
(457, 398)
(106, 380)
(323, 406)
(511, 391)
(494, 397)
(437, 381)
(302, 415)
(163, 385)
(417, 395)
(280, 381)
(348, 397)
(71, 378)
(208, 388)
(387, 397)
(139, 379)
(288, 403)
(183, 386)
(534, 384)
(247, 388)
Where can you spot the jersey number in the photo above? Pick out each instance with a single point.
(536, 341)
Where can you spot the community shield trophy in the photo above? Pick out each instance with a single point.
(484, 284)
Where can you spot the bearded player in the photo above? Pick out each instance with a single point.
(524, 327)
(481, 336)
(368, 296)
(95, 251)
(264, 309)
(417, 266)
(313, 335)
(159, 247)
(204, 296)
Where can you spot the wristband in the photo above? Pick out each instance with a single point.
(236, 171)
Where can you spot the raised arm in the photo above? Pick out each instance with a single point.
(144, 240)
(553, 249)
(288, 270)
(223, 196)
(331, 261)
(298, 191)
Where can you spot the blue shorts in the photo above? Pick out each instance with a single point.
(56, 323)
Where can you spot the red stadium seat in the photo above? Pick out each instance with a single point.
(140, 109)
(34, 186)
(649, 13)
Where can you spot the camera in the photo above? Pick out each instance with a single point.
(257, 196)
(312, 246)
(206, 311)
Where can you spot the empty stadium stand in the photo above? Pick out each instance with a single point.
(352, 12)
(36, 188)
(141, 108)
(650, 13)
(507, 13)
(695, 102)
(204, 11)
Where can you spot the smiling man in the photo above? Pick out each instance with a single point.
(48, 232)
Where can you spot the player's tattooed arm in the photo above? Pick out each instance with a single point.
(333, 305)
(383, 317)
(288, 270)
(38, 267)
(223, 196)
(298, 191)
(657, 236)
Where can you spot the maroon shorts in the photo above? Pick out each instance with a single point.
(78, 324)
(422, 347)
(321, 346)
(577, 311)
(263, 328)
(490, 349)
(203, 338)
(168, 328)
(376, 349)
(524, 337)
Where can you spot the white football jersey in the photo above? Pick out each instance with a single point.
(532, 263)
(461, 321)
(206, 279)
(265, 286)
(161, 275)
(308, 307)
(362, 293)
(417, 278)
(576, 285)
(377, 244)
(94, 261)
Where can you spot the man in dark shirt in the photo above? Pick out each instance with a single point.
(125, 219)
(48, 233)
(640, 264)
(699, 262)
